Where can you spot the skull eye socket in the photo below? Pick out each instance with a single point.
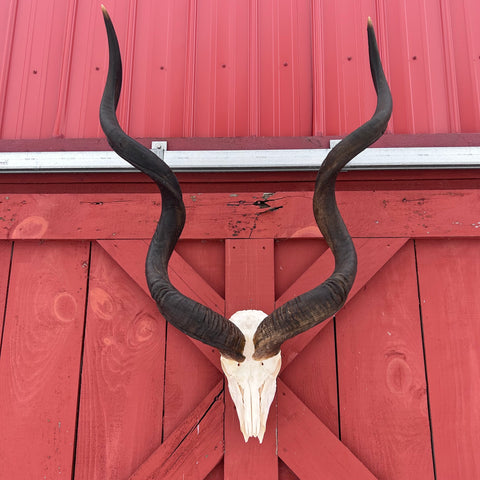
(230, 367)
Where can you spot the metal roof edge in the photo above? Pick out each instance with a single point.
(243, 160)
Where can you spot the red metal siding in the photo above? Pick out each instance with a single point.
(214, 68)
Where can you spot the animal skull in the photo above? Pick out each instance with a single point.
(252, 383)
(250, 341)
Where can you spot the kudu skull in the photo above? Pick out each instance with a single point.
(250, 341)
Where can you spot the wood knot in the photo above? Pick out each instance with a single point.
(65, 307)
(399, 375)
(31, 227)
(143, 330)
(102, 303)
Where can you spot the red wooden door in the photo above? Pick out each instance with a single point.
(94, 383)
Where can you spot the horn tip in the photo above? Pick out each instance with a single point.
(104, 11)
(369, 22)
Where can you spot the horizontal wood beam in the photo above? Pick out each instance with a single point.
(399, 213)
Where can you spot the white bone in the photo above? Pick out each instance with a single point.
(252, 383)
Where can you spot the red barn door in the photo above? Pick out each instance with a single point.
(94, 383)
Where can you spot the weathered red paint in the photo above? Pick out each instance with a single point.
(248, 286)
(452, 335)
(121, 402)
(41, 356)
(379, 342)
(400, 214)
(376, 342)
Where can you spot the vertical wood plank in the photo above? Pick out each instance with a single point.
(5, 256)
(249, 285)
(40, 359)
(120, 420)
(449, 276)
(249, 275)
(382, 388)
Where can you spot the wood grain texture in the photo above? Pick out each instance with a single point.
(449, 272)
(372, 255)
(130, 255)
(121, 403)
(207, 258)
(249, 275)
(40, 359)
(249, 285)
(194, 448)
(312, 376)
(284, 473)
(189, 376)
(308, 447)
(293, 256)
(217, 473)
(5, 257)
(382, 387)
(396, 213)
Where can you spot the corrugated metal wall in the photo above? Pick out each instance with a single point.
(238, 68)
